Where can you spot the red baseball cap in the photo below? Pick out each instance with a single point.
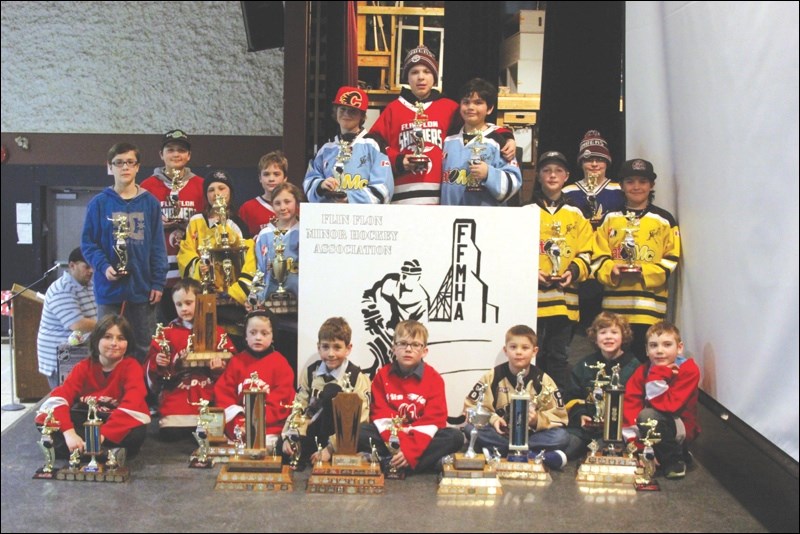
(352, 97)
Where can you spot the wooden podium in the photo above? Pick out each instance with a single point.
(27, 310)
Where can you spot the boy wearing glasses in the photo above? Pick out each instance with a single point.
(412, 393)
(321, 382)
(123, 222)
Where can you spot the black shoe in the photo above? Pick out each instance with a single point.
(676, 470)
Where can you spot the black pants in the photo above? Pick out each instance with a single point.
(445, 441)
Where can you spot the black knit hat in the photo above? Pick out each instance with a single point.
(218, 176)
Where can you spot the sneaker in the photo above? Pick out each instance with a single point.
(675, 470)
(554, 459)
(688, 457)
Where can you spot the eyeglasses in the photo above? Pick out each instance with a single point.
(403, 345)
(118, 163)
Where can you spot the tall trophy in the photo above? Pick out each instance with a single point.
(122, 231)
(344, 155)
(252, 468)
(554, 248)
(91, 433)
(393, 444)
(220, 208)
(628, 245)
(228, 252)
(348, 472)
(614, 396)
(476, 147)
(49, 427)
(418, 160)
(176, 184)
(519, 407)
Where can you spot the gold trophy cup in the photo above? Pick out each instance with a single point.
(281, 266)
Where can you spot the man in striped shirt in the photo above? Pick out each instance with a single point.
(69, 305)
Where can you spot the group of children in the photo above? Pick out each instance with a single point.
(420, 151)
(407, 394)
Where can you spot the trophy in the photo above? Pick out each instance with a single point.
(255, 414)
(478, 417)
(281, 266)
(554, 248)
(628, 245)
(91, 432)
(207, 279)
(220, 208)
(374, 457)
(591, 198)
(204, 418)
(614, 396)
(476, 147)
(164, 348)
(257, 286)
(648, 457)
(418, 160)
(293, 432)
(519, 406)
(122, 231)
(345, 152)
(393, 444)
(597, 395)
(75, 460)
(177, 183)
(49, 427)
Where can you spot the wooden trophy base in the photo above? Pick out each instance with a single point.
(523, 469)
(603, 469)
(203, 359)
(281, 303)
(347, 474)
(469, 481)
(255, 474)
(119, 474)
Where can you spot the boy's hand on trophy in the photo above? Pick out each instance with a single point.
(500, 426)
(162, 360)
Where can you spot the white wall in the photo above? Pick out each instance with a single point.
(712, 101)
(136, 67)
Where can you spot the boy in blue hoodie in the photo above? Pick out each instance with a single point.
(123, 226)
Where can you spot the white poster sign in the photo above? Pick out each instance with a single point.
(467, 273)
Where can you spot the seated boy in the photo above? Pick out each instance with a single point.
(410, 389)
(321, 382)
(546, 426)
(610, 333)
(664, 389)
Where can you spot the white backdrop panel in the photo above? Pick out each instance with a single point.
(467, 273)
(712, 100)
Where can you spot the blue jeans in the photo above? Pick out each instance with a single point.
(142, 318)
(550, 439)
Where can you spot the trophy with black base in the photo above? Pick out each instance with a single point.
(518, 465)
(200, 458)
(470, 473)
(348, 472)
(122, 231)
(49, 427)
(607, 465)
(252, 468)
(112, 469)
